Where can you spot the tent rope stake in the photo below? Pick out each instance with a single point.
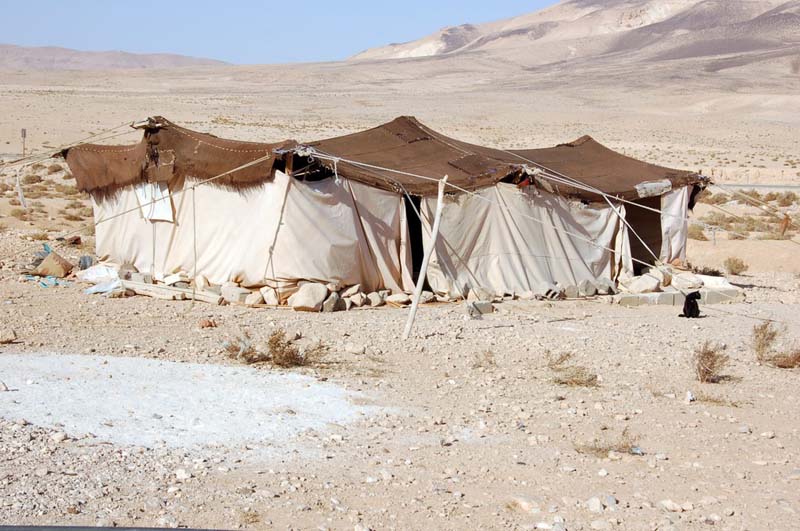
(426, 258)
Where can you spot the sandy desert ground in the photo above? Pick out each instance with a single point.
(464, 426)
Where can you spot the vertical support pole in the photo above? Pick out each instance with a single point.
(426, 258)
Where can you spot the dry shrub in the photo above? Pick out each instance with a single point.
(283, 353)
(696, 233)
(484, 360)
(710, 198)
(38, 166)
(5, 187)
(73, 217)
(241, 349)
(735, 265)
(14, 202)
(31, 179)
(764, 337)
(576, 376)
(19, 213)
(54, 168)
(704, 270)
(67, 175)
(74, 205)
(714, 400)
(556, 362)
(600, 449)
(787, 199)
(40, 236)
(708, 362)
(738, 235)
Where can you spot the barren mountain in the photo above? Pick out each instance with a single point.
(641, 30)
(53, 58)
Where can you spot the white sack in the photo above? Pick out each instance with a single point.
(503, 250)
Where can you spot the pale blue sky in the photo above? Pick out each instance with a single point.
(242, 31)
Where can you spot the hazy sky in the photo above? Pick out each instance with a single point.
(242, 31)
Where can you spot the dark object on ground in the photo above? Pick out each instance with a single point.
(691, 309)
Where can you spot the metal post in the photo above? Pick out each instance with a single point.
(426, 258)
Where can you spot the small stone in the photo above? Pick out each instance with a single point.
(352, 290)
(7, 336)
(768, 435)
(610, 503)
(594, 505)
(587, 289)
(600, 524)
(602, 473)
(375, 300)
(400, 299)
(207, 323)
(688, 506)
(270, 296)
(309, 298)
(358, 300)
(355, 349)
(41, 472)
(255, 298)
(333, 303)
(572, 292)
(182, 475)
(670, 506)
(744, 429)
(234, 294)
(525, 505)
(58, 437)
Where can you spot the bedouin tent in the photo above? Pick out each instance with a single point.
(344, 211)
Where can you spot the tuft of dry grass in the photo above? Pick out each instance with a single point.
(735, 265)
(241, 349)
(709, 361)
(764, 337)
(556, 362)
(72, 217)
(714, 400)
(577, 376)
(703, 270)
(696, 233)
(625, 444)
(40, 236)
(54, 168)
(31, 179)
(285, 354)
(484, 360)
(19, 213)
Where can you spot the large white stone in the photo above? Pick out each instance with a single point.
(270, 296)
(309, 298)
(234, 294)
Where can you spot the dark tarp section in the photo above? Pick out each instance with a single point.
(169, 152)
(407, 145)
(589, 162)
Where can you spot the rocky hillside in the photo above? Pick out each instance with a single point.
(53, 58)
(648, 30)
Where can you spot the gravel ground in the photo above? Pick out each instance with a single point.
(467, 425)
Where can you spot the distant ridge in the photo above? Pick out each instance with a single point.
(54, 58)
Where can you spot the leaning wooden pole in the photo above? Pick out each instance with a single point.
(426, 258)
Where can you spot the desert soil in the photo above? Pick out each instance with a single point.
(464, 425)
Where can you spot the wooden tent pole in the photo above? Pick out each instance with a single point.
(426, 258)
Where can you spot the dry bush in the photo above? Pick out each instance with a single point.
(72, 217)
(86, 212)
(787, 199)
(704, 270)
(708, 362)
(38, 166)
(74, 204)
(735, 266)
(484, 360)
(14, 202)
(40, 236)
(696, 233)
(713, 199)
(556, 362)
(241, 349)
(714, 400)
(54, 168)
(576, 376)
(284, 354)
(19, 213)
(738, 235)
(65, 189)
(3, 227)
(600, 449)
(764, 337)
(67, 175)
(5, 187)
(31, 179)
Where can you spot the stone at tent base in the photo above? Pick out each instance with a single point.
(254, 298)
(309, 298)
(644, 284)
(605, 287)
(687, 281)
(399, 298)
(7, 336)
(358, 300)
(572, 292)
(270, 296)
(334, 303)
(587, 289)
(483, 307)
(126, 272)
(375, 300)
(201, 282)
(348, 304)
(526, 296)
(426, 297)
(479, 294)
(54, 265)
(545, 290)
(234, 294)
(352, 290)
(385, 293)
(664, 277)
(143, 278)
